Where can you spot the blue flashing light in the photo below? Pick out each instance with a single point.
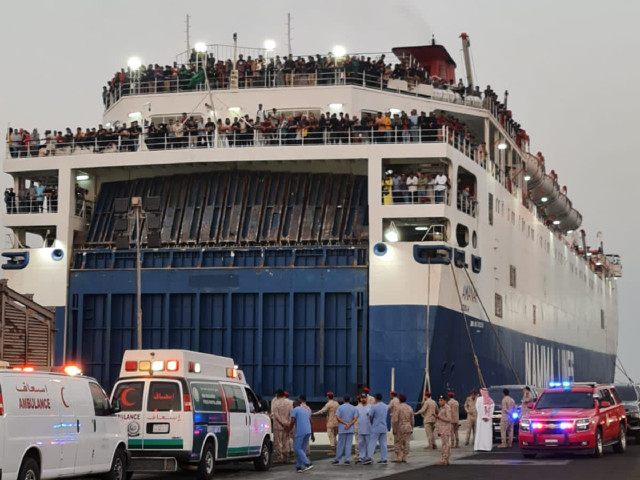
(566, 425)
(566, 384)
(515, 415)
(554, 384)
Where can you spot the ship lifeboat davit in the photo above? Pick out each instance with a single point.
(549, 198)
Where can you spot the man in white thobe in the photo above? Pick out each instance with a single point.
(484, 426)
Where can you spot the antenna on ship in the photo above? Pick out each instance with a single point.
(467, 59)
(289, 33)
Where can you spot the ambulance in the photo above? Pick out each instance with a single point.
(57, 425)
(190, 410)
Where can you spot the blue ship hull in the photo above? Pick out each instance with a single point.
(397, 336)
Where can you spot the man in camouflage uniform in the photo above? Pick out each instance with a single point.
(394, 404)
(281, 417)
(404, 429)
(332, 423)
(472, 415)
(444, 422)
(455, 412)
(506, 420)
(428, 412)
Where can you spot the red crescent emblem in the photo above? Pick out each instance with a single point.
(62, 396)
(123, 397)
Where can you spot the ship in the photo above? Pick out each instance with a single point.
(237, 207)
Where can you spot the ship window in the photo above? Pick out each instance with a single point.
(498, 305)
(462, 235)
(512, 276)
(490, 209)
(534, 314)
(474, 240)
(415, 229)
(602, 319)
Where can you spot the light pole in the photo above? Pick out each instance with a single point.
(134, 64)
(136, 208)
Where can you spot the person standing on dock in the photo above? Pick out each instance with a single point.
(506, 420)
(455, 416)
(428, 411)
(472, 415)
(332, 423)
(526, 400)
(364, 430)
(394, 404)
(405, 428)
(444, 427)
(346, 416)
(378, 416)
(280, 416)
(484, 425)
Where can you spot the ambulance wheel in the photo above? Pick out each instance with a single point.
(30, 470)
(118, 467)
(207, 465)
(263, 462)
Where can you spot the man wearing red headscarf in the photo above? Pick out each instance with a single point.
(484, 425)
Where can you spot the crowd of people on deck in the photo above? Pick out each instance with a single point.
(276, 71)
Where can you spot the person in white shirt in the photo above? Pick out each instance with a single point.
(412, 186)
(440, 187)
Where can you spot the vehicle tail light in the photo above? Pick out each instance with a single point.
(172, 365)
(186, 400)
(130, 366)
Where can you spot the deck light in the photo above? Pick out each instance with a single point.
(200, 47)
(544, 199)
(556, 222)
(339, 51)
(269, 45)
(527, 178)
(82, 176)
(502, 146)
(134, 63)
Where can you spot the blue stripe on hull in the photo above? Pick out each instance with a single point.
(397, 339)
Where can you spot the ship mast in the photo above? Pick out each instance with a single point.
(467, 60)
(289, 33)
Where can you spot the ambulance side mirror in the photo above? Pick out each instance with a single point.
(116, 407)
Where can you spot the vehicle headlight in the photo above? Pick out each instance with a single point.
(525, 425)
(582, 424)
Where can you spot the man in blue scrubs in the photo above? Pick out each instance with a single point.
(378, 416)
(301, 421)
(346, 416)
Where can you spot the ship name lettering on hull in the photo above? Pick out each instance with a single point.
(544, 363)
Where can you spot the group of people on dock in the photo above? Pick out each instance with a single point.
(365, 420)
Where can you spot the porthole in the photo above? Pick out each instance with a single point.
(380, 249)
(57, 254)
(474, 240)
(462, 235)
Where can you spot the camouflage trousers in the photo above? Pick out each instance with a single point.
(446, 445)
(281, 444)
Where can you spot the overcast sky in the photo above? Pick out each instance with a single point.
(571, 68)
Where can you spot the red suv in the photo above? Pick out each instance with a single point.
(580, 417)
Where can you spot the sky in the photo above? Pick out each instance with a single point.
(571, 69)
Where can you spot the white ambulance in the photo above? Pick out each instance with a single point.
(56, 425)
(189, 409)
